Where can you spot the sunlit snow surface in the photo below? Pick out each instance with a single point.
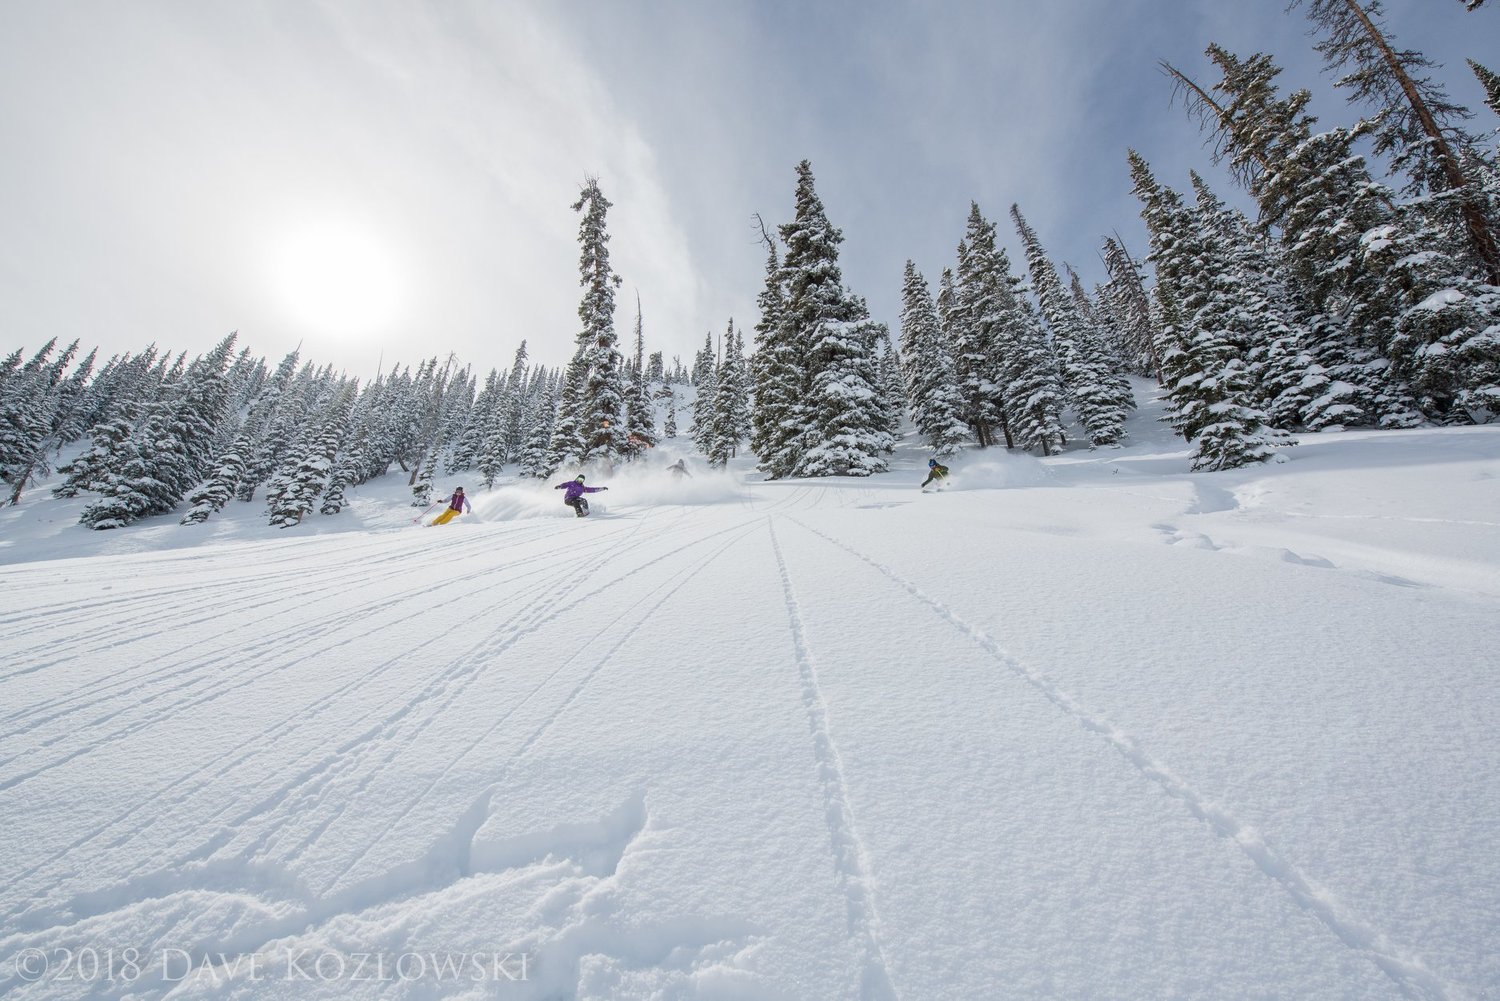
(1086, 727)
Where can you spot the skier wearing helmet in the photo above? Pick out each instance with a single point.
(935, 471)
(457, 505)
(574, 497)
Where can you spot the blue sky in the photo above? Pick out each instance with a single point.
(392, 179)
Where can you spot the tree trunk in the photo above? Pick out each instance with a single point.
(1480, 236)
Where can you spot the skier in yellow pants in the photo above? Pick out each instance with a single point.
(457, 504)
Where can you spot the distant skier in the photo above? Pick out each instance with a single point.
(457, 504)
(679, 469)
(935, 471)
(574, 498)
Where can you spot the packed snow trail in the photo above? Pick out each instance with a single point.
(1081, 729)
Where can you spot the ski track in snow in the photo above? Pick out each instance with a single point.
(851, 857)
(215, 769)
(681, 579)
(374, 746)
(453, 850)
(203, 686)
(1408, 972)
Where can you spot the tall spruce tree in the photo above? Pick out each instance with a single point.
(642, 420)
(931, 391)
(976, 319)
(309, 473)
(1417, 123)
(1127, 300)
(844, 432)
(1100, 396)
(706, 381)
(168, 452)
(602, 412)
(777, 373)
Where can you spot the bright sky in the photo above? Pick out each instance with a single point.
(393, 178)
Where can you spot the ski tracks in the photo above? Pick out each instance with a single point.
(1409, 973)
(851, 857)
(349, 751)
(680, 579)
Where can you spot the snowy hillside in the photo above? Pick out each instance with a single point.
(1088, 727)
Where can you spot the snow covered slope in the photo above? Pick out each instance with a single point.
(1091, 727)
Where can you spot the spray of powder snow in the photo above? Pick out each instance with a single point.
(1015, 469)
(630, 486)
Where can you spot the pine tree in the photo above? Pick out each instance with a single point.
(670, 428)
(602, 411)
(974, 359)
(642, 422)
(35, 408)
(1490, 81)
(776, 369)
(537, 457)
(306, 481)
(976, 317)
(729, 409)
(1031, 379)
(1125, 296)
(216, 491)
(1323, 198)
(1100, 396)
(1417, 123)
(930, 389)
(892, 387)
(168, 451)
(843, 427)
(351, 461)
(706, 379)
(268, 428)
(566, 445)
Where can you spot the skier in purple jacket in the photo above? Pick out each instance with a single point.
(575, 491)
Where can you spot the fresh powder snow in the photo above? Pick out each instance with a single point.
(1090, 726)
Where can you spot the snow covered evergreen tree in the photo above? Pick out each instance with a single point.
(1128, 302)
(304, 483)
(1319, 192)
(1100, 396)
(220, 486)
(1208, 384)
(930, 389)
(642, 421)
(730, 408)
(168, 452)
(777, 372)
(670, 427)
(706, 379)
(537, 458)
(37, 406)
(1031, 378)
(602, 412)
(566, 445)
(845, 433)
(1416, 123)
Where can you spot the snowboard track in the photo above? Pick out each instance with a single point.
(1409, 973)
(851, 856)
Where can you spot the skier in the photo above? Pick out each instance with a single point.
(574, 498)
(679, 469)
(935, 471)
(457, 504)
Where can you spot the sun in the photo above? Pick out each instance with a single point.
(338, 278)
